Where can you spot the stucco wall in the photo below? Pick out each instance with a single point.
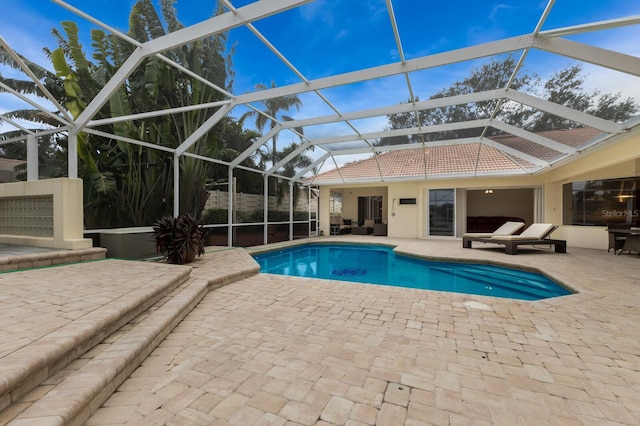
(404, 219)
(67, 212)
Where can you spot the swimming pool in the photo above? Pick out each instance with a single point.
(380, 265)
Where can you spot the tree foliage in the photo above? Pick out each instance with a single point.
(51, 154)
(126, 184)
(289, 169)
(565, 87)
(273, 109)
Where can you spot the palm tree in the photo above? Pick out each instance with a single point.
(235, 140)
(298, 162)
(272, 108)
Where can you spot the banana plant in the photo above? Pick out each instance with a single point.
(125, 184)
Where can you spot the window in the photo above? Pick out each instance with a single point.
(442, 215)
(600, 202)
(335, 204)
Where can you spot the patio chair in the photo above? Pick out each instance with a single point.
(616, 241)
(535, 234)
(631, 244)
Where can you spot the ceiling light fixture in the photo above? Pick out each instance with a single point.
(488, 191)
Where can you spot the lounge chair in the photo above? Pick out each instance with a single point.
(536, 234)
(507, 228)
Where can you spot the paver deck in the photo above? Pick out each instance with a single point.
(41, 302)
(280, 350)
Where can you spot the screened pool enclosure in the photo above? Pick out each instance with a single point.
(253, 184)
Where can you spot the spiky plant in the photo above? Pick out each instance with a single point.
(176, 237)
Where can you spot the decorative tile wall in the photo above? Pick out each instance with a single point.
(29, 216)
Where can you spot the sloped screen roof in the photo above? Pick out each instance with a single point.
(352, 64)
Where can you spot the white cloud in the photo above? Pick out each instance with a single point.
(607, 81)
(319, 10)
(623, 40)
(496, 9)
(343, 33)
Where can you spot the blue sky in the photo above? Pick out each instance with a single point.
(331, 37)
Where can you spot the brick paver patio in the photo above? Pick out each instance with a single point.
(273, 350)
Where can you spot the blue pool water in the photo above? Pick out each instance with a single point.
(380, 265)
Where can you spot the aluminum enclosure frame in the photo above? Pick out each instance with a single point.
(551, 41)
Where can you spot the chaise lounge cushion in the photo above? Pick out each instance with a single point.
(536, 231)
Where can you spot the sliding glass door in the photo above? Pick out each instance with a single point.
(369, 208)
(442, 212)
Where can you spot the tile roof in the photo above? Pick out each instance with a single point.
(570, 137)
(462, 159)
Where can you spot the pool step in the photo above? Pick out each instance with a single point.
(26, 366)
(81, 383)
(72, 395)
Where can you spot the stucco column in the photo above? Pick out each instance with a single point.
(291, 207)
(265, 203)
(231, 188)
(176, 185)
(32, 158)
(72, 172)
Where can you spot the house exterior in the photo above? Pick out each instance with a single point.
(441, 191)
